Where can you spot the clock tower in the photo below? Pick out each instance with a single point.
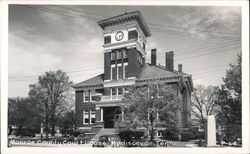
(99, 100)
(124, 46)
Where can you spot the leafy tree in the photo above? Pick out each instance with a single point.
(22, 113)
(230, 101)
(233, 79)
(151, 106)
(204, 102)
(68, 122)
(52, 96)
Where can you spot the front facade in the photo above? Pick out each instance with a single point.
(98, 100)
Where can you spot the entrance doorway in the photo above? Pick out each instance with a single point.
(110, 116)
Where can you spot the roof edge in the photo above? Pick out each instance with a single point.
(137, 15)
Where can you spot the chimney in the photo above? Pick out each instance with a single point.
(180, 68)
(153, 56)
(170, 61)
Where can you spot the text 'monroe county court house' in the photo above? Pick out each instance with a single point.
(98, 100)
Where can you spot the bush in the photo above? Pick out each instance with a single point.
(200, 135)
(195, 134)
(66, 132)
(185, 135)
(171, 134)
(26, 132)
(76, 133)
(129, 135)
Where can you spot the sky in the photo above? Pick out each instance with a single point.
(205, 40)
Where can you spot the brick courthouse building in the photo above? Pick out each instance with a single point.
(98, 100)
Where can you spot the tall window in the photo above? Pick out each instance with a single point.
(119, 91)
(92, 116)
(133, 34)
(86, 96)
(113, 73)
(119, 68)
(113, 92)
(107, 39)
(113, 55)
(125, 71)
(85, 117)
(119, 54)
(125, 54)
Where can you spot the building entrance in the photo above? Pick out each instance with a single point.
(111, 115)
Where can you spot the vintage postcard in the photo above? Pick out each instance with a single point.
(100, 76)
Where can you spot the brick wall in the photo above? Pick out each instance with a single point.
(189, 108)
(134, 67)
(107, 64)
(80, 106)
(186, 113)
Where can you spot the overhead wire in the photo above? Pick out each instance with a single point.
(49, 10)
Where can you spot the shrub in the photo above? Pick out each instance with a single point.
(185, 135)
(195, 134)
(200, 135)
(129, 135)
(67, 132)
(171, 134)
(26, 132)
(76, 133)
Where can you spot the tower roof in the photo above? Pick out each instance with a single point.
(131, 16)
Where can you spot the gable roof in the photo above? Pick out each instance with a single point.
(155, 71)
(97, 80)
(148, 72)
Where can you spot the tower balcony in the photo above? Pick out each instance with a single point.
(109, 98)
(109, 101)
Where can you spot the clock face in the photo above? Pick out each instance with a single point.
(119, 36)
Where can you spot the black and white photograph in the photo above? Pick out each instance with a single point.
(105, 76)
